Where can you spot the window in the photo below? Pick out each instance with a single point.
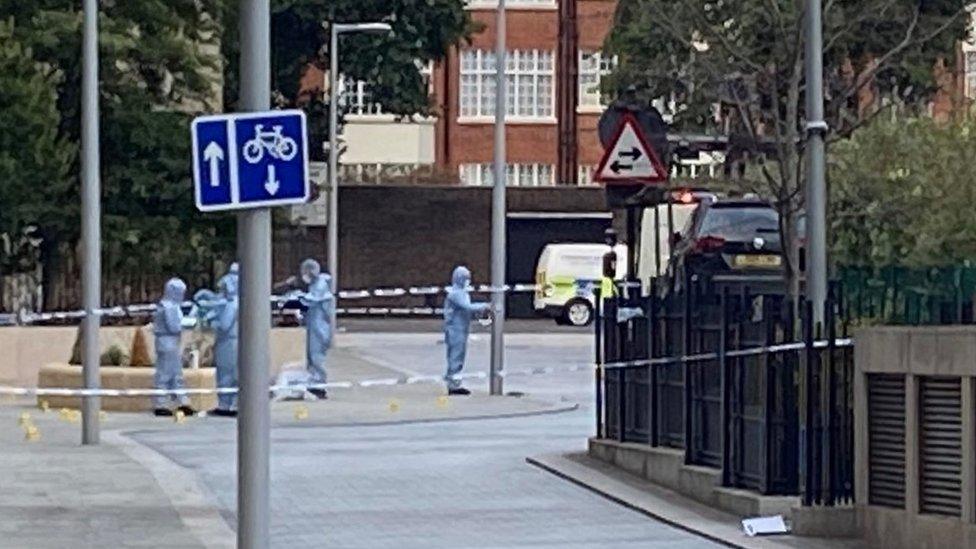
(585, 173)
(529, 83)
(970, 58)
(593, 66)
(523, 4)
(356, 96)
(516, 175)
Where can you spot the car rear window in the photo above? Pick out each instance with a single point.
(741, 223)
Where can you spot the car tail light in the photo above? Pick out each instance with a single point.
(709, 244)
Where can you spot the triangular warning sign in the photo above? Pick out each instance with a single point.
(630, 159)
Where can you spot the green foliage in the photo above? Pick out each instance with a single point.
(423, 31)
(161, 62)
(902, 193)
(748, 54)
(156, 68)
(34, 159)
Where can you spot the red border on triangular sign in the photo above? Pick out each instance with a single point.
(656, 163)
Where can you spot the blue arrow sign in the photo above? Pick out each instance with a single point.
(250, 160)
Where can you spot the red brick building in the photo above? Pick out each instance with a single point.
(554, 70)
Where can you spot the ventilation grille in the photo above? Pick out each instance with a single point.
(886, 442)
(940, 445)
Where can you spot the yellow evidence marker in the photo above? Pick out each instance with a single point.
(443, 401)
(25, 419)
(394, 405)
(301, 412)
(31, 433)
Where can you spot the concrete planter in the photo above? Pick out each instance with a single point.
(121, 377)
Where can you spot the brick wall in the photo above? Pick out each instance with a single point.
(409, 235)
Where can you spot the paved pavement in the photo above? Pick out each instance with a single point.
(415, 475)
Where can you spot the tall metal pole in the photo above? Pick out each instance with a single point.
(816, 190)
(91, 274)
(498, 211)
(333, 227)
(254, 241)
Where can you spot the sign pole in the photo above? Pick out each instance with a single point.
(498, 212)
(254, 251)
(91, 274)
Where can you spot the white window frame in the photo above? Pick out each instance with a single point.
(531, 67)
(969, 70)
(511, 4)
(357, 93)
(585, 174)
(531, 174)
(586, 100)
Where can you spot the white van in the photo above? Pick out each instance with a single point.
(566, 275)
(653, 261)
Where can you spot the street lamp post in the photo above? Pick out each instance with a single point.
(498, 212)
(91, 274)
(333, 235)
(816, 189)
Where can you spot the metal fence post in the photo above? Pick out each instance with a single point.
(654, 352)
(598, 351)
(686, 366)
(726, 389)
(809, 409)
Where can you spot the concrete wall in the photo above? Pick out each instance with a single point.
(915, 352)
(379, 139)
(24, 350)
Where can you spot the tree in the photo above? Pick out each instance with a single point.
(737, 68)
(901, 194)
(34, 159)
(158, 65)
(423, 31)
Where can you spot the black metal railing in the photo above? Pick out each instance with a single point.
(728, 375)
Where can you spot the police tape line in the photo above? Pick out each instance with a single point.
(419, 379)
(736, 353)
(143, 309)
(288, 387)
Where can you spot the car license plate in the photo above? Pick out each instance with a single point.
(764, 261)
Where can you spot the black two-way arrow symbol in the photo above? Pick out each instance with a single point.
(617, 167)
(634, 154)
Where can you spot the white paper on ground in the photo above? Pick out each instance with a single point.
(761, 526)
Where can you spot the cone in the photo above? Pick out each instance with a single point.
(31, 433)
(179, 416)
(139, 355)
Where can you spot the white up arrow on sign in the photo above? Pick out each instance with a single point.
(213, 154)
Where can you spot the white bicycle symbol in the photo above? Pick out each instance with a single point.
(277, 145)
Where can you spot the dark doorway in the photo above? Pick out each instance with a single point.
(529, 232)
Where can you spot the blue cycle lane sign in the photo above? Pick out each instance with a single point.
(250, 160)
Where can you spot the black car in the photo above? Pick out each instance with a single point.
(734, 239)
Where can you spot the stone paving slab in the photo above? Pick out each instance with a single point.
(669, 506)
(56, 493)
